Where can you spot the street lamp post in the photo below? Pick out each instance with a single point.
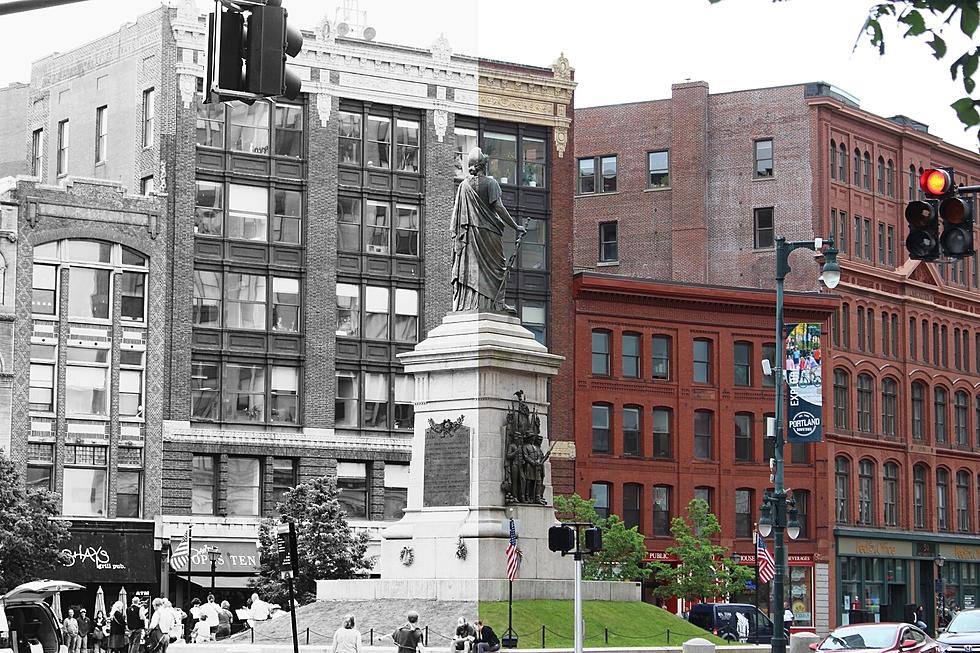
(940, 597)
(777, 515)
(214, 554)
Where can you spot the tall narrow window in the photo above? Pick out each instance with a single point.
(912, 340)
(881, 175)
(889, 405)
(743, 512)
(891, 245)
(764, 227)
(845, 228)
(842, 164)
(661, 357)
(842, 410)
(63, 147)
(288, 123)
(866, 498)
(600, 352)
(101, 137)
(845, 325)
(702, 361)
(865, 390)
(349, 138)
(890, 494)
(658, 164)
(833, 159)
(37, 152)
(890, 171)
(203, 496)
(607, 167)
(632, 502)
(961, 404)
(600, 499)
(608, 242)
(842, 489)
(918, 405)
(802, 500)
(857, 167)
(374, 413)
(867, 171)
(939, 422)
(769, 354)
(744, 449)
(763, 158)
(600, 428)
(662, 418)
(377, 150)
(352, 483)
(894, 321)
(962, 501)
(743, 363)
(149, 112)
(632, 443)
(703, 434)
(406, 145)
(860, 328)
(919, 497)
(942, 499)
(287, 216)
(661, 510)
(586, 176)
(631, 355)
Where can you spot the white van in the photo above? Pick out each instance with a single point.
(27, 624)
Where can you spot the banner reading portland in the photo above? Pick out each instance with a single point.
(804, 383)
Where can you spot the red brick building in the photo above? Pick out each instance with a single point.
(678, 203)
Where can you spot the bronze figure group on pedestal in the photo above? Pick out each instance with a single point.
(523, 457)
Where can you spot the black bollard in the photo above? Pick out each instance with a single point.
(426, 635)
(607, 635)
(307, 636)
(372, 637)
(542, 635)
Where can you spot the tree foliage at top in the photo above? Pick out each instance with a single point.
(31, 538)
(623, 549)
(327, 547)
(705, 569)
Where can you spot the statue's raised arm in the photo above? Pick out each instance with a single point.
(479, 219)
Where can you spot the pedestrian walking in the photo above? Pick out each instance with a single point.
(84, 630)
(347, 639)
(118, 641)
(98, 634)
(408, 638)
(136, 623)
(70, 628)
(225, 618)
(163, 625)
(486, 640)
(788, 616)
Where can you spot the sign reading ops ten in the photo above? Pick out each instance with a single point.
(804, 383)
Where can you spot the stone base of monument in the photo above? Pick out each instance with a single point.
(480, 379)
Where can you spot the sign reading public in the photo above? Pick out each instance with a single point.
(804, 383)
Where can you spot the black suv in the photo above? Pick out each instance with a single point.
(734, 622)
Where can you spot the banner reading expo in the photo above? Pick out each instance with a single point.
(804, 383)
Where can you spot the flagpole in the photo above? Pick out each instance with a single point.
(756, 568)
(190, 552)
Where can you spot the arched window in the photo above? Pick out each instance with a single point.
(601, 424)
(889, 402)
(919, 496)
(842, 165)
(601, 346)
(891, 494)
(842, 489)
(913, 183)
(939, 415)
(842, 408)
(881, 175)
(866, 492)
(918, 408)
(920, 194)
(942, 499)
(961, 404)
(744, 449)
(867, 170)
(857, 167)
(865, 388)
(962, 501)
(833, 159)
(890, 191)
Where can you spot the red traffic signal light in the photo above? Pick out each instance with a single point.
(936, 182)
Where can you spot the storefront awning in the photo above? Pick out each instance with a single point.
(241, 556)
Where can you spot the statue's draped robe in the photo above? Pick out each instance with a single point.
(478, 254)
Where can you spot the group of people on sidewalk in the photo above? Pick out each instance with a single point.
(409, 638)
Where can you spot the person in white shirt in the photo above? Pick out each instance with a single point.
(347, 639)
(259, 610)
(163, 619)
(788, 616)
(208, 614)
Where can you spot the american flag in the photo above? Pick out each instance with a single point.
(180, 553)
(767, 565)
(513, 554)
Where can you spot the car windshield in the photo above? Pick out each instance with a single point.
(859, 637)
(965, 622)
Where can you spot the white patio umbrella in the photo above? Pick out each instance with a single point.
(99, 602)
(122, 596)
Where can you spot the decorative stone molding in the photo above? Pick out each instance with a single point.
(188, 86)
(562, 68)
(561, 140)
(442, 51)
(323, 102)
(511, 104)
(162, 181)
(325, 31)
(440, 120)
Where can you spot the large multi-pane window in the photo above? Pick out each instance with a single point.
(600, 499)
(703, 434)
(241, 392)
(243, 301)
(661, 510)
(252, 129)
(743, 512)
(601, 418)
(372, 318)
(377, 227)
(85, 481)
(890, 494)
(607, 173)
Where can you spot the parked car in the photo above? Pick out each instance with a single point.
(963, 632)
(734, 622)
(27, 624)
(879, 637)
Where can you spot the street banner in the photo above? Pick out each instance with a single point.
(804, 383)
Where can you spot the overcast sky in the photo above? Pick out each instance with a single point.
(622, 50)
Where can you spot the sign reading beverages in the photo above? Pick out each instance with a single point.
(804, 383)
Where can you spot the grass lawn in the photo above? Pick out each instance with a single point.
(630, 623)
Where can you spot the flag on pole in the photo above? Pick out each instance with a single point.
(513, 554)
(767, 565)
(180, 553)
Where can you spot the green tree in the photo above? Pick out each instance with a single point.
(623, 549)
(328, 548)
(31, 538)
(705, 569)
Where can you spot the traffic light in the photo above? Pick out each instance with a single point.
(922, 242)
(593, 539)
(561, 539)
(957, 217)
(943, 205)
(248, 55)
(937, 182)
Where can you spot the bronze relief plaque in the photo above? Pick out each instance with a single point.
(446, 475)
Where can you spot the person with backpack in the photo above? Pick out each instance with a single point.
(409, 637)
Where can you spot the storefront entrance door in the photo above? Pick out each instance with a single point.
(895, 610)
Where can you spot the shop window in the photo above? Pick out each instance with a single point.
(404, 401)
(743, 513)
(919, 497)
(842, 489)
(743, 363)
(743, 437)
(702, 361)
(283, 479)
(211, 125)
(631, 355)
(763, 158)
(600, 428)
(244, 486)
(203, 496)
(287, 216)
(84, 484)
(866, 493)
(661, 510)
(375, 400)
(890, 494)
(248, 130)
(396, 490)
(600, 352)
(600, 499)
(658, 165)
(661, 357)
(289, 130)
(632, 443)
(632, 502)
(662, 420)
(703, 434)
(346, 401)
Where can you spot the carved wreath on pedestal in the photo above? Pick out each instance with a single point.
(407, 556)
(461, 549)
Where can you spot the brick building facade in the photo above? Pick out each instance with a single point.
(304, 247)
(791, 161)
